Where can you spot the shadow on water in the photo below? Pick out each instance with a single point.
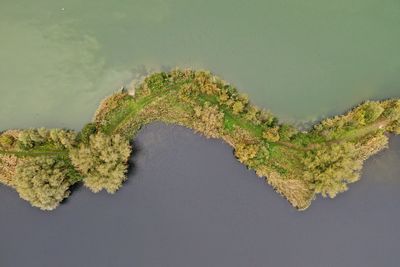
(136, 149)
(73, 188)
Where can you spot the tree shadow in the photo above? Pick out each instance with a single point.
(73, 188)
(136, 149)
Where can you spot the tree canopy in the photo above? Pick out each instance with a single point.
(44, 182)
(102, 161)
(331, 167)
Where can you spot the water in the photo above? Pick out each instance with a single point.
(300, 59)
(188, 202)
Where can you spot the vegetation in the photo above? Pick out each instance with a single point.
(44, 182)
(42, 164)
(102, 161)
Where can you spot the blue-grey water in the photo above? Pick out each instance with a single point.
(188, 202)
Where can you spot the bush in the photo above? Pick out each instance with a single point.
(102, 161)
(44, 182)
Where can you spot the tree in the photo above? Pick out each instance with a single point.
(102, 161)
(44, 182)
(329, 169)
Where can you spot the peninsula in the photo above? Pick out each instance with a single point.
(42, 164)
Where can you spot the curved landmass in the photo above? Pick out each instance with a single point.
(42, 164)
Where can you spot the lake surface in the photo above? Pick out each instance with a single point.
(300, 59)
(188, 202)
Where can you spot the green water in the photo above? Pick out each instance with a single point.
(300, 59)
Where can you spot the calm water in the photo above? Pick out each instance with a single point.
(301, 59)
(188, 202)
